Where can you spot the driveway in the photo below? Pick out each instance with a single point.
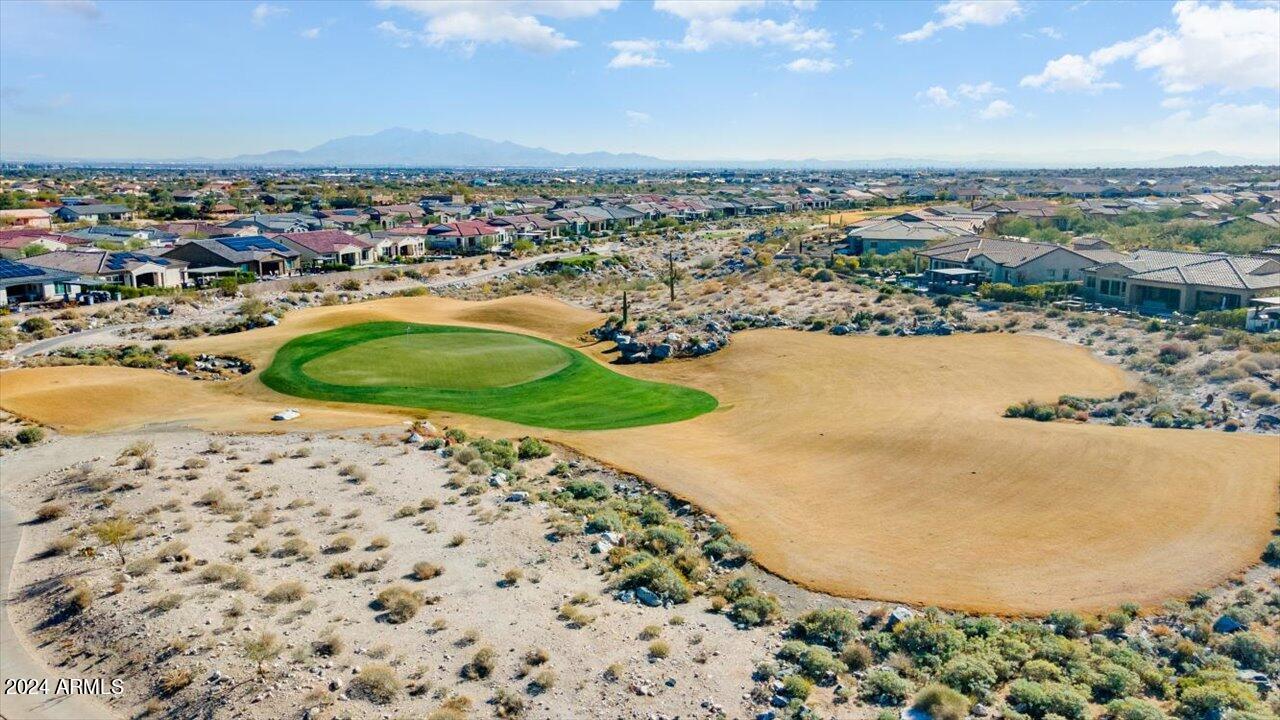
(16, 660)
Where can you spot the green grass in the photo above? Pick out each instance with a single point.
(493, 374)
(453, 361)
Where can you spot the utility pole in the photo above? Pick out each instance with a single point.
(625, 309)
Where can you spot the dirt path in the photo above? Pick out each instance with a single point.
(17, 661)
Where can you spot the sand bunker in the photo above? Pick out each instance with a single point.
(869, 467)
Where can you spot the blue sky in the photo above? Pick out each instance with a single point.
(1048, 81)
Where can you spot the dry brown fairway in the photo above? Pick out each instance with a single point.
(868, 467)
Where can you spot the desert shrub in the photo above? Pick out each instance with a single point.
(1213, 695)
(1066, 623)
(815, 661)
(832, 627)
(1039, 699)
(376, 683)
(1271, 554)
(172, 681)
(755, 610)
(480, 666)
(884, 687)
(330, 644)
(342, 543)
(971, 675)
(542, 681)
(659, 576)
(341, 570)
(399, 603)
(1223, 318)
(50, 511)
(796, 687)
(507, 703)
(856, 656)
(286, 592)
(1134, 709)
(659, 649)
(586, 490)
(29, 435)
(1113, 682)
(604, 521)
(1263, 398)
(941, 703)
(1249, 650)
(426, 571)
(531, 448)
(78, 598)
(930, 642)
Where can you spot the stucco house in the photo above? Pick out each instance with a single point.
(129, 269)
(1163, 281)
(325, 247)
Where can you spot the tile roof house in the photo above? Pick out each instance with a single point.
(28, 218)
(130, 269)
(277, 223)
(881, 236)
(15, 245)
(1018, 262)
(466, 235)
(323, 247)
(254, 253)
(1164, 281)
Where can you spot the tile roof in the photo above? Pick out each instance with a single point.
(324, 242)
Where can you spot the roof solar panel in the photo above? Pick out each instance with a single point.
(255, 242)
(10, 270)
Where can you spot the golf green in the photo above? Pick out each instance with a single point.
(493, 374)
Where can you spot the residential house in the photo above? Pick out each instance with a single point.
(254, 253)
(130, 269)
(93, 213)
(406, 242)
(25, 283)
(1020, 262)
(537, 228)
(15, 246)
(1163, 281)
(466, 236)
(913, 230)
(34, 218)
(277, 223)
(328, 247)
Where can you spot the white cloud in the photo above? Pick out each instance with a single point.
(937, 95)
(472, 22)
(810, 65)
(1070, 73)
(310, 33)
(262, 12)
(1051, 32)
(398, 35)
(1176, 102)
(979, 91)
(1236, 48)
(717, 23)
(642, 53)
(1244, 129)
(635, 117)
(959, 14)
(856, 33)
(995, 110)
(1222, 45)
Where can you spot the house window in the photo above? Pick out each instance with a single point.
(1089, 282)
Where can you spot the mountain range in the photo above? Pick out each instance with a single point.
(402, 147)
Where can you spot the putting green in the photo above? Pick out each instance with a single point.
(493, 374)
(458, 361)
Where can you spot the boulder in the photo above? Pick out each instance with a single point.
(661, 351)
(1227, 624)
(900, 614)
(648, 597)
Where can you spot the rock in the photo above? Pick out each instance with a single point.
(778, 701)
(661, 351)
(335, 684)
(518, 496)
(601, 547)
(312, 713)
(767, 715)
(612, 537)
(980, 710)
(415, 438)
(625, 596)
(839, 330)
(1227, 624)
(899, 614)
(648, 597)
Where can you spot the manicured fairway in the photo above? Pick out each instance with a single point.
(479, 372)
